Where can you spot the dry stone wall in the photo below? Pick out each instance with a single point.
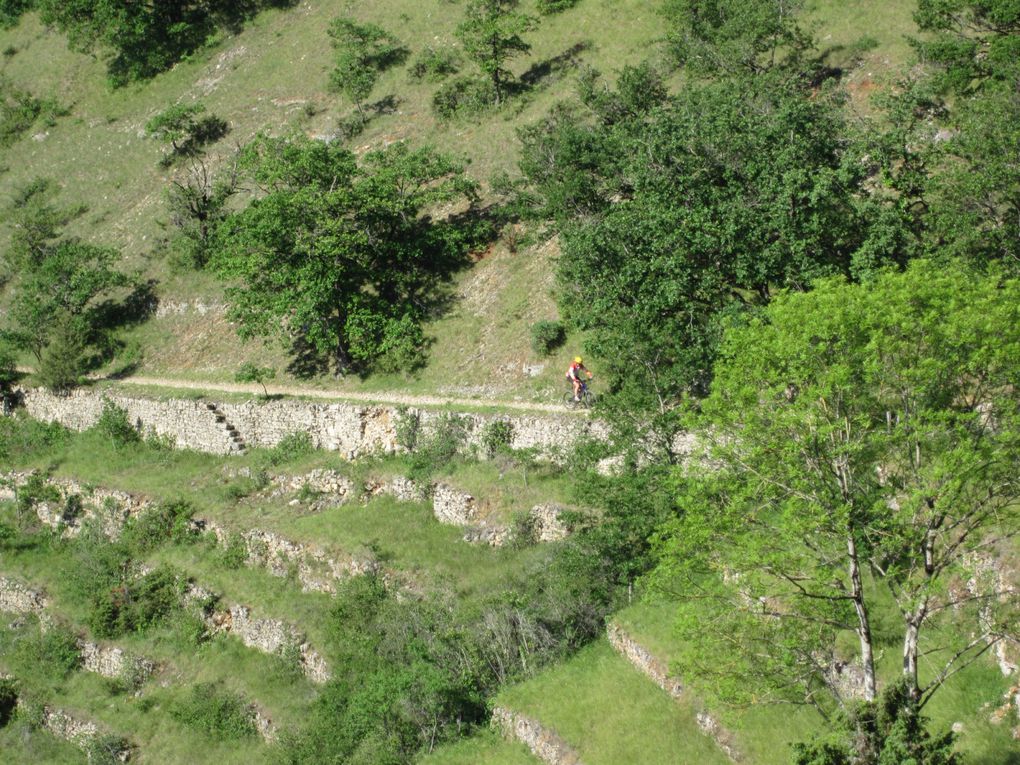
(270, 636)
(353, 430)
(543, 742)
(18, 598)
(658, 671)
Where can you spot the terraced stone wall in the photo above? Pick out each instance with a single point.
(350, 429)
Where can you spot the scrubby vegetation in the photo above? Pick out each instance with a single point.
(796, 278)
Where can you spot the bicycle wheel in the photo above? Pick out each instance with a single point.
(588, 400)
(568, 400)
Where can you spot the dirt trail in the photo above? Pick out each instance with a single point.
(382, 397)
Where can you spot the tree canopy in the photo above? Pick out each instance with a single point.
(339, 257)
(866, 439)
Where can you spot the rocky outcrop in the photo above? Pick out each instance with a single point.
(19, 598)
(543, 742)
(658, 671)
(329, 487)
(270, 636)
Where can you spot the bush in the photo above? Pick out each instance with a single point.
(114, 425)
(291, 447)
(22, 438)
(105, 749)
(435, 64)
(167, 522)
(523, 531)
(496, 437)
(437, 450)
(255, 374)
(53, 653)
(235, 554)
(215, 711)
(549, 7)
(66, 358)
(136, 606)
(408, 428)
(547, 336)
(8, 700)
(462, 97)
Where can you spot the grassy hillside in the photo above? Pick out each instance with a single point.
(273, 76)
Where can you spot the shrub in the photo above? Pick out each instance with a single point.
(8, 700)
(105, 749)
(291, 447)
(547, 336)
(549, 7)
(53, 653)
(136, 606)
(235, 553)
(114, 425)
(408, 428)
(66, 358)
(167, 522)
(22, 438)
(463, 96)
(19, 110)
(215, 711)
(255, 374)
(438, 449)
(496, 437)
(523, 531)
(436, 64)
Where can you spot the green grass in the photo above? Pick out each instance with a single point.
(24, 745)
(611, 714)
(765, 733)
(483, 748)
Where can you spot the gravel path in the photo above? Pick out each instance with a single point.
(382, 397)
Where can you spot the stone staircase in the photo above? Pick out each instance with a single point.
(237, 444)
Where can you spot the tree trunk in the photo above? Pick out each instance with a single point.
(910, 658)
(863, 624)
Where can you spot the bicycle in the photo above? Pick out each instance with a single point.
(587, 397)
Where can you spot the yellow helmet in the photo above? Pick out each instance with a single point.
(578, 360)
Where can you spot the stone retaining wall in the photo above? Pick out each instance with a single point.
(353, 430)
(658, 671)
(18, 598)
(543, 742)
(270, 636)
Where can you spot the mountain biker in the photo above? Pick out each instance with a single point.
(574, 375)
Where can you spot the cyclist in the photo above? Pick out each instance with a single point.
(574, 376)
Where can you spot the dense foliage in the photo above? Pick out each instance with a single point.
(341, 257)
(143, 39)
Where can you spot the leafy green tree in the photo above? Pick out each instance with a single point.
(144, 39)
(185, 130)
(713, 36)
(11, 10)
(866, 436)
(677, 214)
(66, 356)
(198, 206)
(340, 257)
(362, 52)
(65, 288)
(253, 373)
(972, 54)
(491, 36)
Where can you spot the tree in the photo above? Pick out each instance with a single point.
(60, 296)
(972, 56)
(491, 35)
(187, 133)
(144, 39)
(676, 214)
(35, 224)
(253, 373)
(198, 205)
(11, 10)
(341, 257)
(362, 52)
(866, 438)
(713, 36)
